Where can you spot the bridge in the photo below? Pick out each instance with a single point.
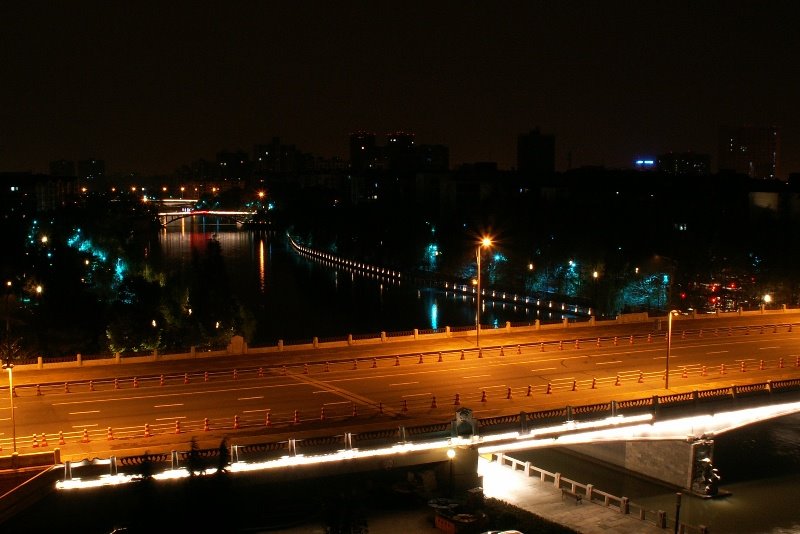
(412, 399)
(240, 217)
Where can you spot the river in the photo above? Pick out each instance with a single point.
(296, 299)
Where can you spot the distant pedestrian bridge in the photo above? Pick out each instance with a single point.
(240, 217)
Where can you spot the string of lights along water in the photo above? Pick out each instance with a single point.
(294, 298)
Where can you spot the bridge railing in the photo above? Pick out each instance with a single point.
(587, 492)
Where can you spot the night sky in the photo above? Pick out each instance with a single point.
(151, 86)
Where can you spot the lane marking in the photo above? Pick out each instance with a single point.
(418, 395)
(403, 384)
(608, 363)
(474, 376)
(544, 369)
(79, 413)
(170, 418)
(253, 411)
(717, 352)
(767, 348)
(339, 402)
(250, 398)
(83, 426)
(168, 405)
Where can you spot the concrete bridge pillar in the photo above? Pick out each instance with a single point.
(679, 463)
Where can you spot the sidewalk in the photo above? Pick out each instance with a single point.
(544, 500)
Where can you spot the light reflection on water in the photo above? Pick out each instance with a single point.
(295, 299)
(760, 466)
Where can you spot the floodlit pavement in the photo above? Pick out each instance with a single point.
(544, 500)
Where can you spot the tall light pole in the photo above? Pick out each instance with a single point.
(486, 242)
(669, 345)
(8, 366)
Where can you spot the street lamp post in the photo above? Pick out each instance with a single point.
(8, 366)
(486, 242)
(451, 453)
(669, 345)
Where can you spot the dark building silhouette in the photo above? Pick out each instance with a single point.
(233, 166)
(62, 167)
(684, 164)
(536, 154)
(91, 169)
(277, 157)
(750, 150)
(363, 151)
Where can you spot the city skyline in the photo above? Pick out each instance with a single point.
(149, 89)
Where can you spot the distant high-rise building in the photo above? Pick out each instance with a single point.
(91, 169)
(275, 157)
(233, 165)
(536, 153)
(750, 150)
(62, 167)
(684, 164)
(400, 151)
(363, 152)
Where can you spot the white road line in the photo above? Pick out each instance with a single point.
(79, 413)
(717, 351)
(403, 384)
(608, 363)
(321, 391)
(766, 348)
(250, 398)
(340, 402)
(82, 426)
(253, 411)
(170, 418)
(474, 376)
(545, 369)
(167, 405)
(418, 395)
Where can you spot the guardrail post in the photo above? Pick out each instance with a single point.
(79, 359)
(383, 336)
(39, 362)
(192, 351)
(508, 326)
(589, 490)
(661, 520)
(537, 324)
(624, 506)
(349, 339)
(447, 331)
(557, 480)
(280, 345)
(174, 460)
(523, 422)
(315, 342)
(112, 465)
(67, 470)
(613, 408)
(416, 333)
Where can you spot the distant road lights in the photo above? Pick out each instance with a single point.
(39, 289)
(767, 298)
(45, 239)
(485, 242)
(595, 275)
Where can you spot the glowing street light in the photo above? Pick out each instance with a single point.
(669, 345)
(486, 242)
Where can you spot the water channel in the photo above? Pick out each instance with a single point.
(295, 299)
